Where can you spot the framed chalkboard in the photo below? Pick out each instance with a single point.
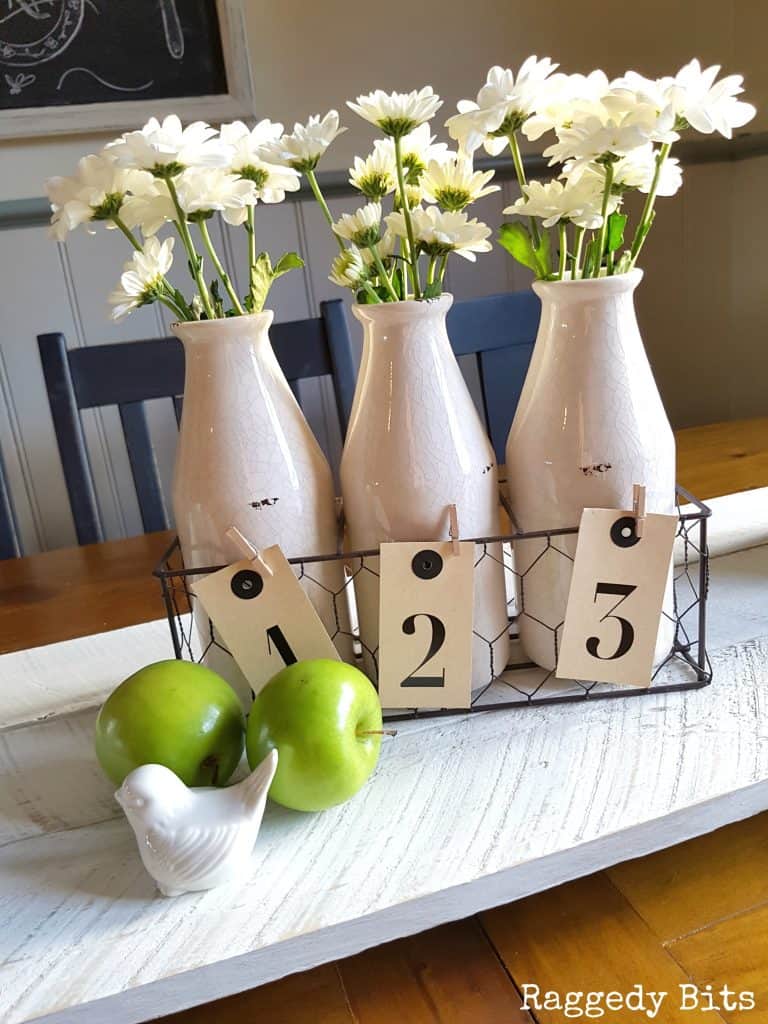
(83, 65)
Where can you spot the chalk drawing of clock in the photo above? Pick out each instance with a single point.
(34, 31)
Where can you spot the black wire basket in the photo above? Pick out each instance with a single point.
(520, 684)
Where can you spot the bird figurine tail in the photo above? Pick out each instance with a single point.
(254, 789)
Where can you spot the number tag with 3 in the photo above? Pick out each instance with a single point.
(266, 621)
(425, 625)
(615, 601)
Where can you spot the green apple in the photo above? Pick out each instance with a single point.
(324, 719)
(173, 713)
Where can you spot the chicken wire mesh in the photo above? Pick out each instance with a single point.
(518, 684)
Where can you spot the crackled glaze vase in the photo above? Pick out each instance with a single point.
(415, 445)
(590, 423)
(247, 458)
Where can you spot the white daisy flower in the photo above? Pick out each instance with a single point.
(635, 171)
(142, 277)
(248, 145)
(201, 192)
(453, 184)
(97, 192)
(302, 149)
(440, 232)
(384, 248)
(605, 131)
(578, 201)
(561, 95)
(503, 104)
(150, 208)
(376, 176)
(167, 148)
(417, 149)
(397, 113)
(348, 269)
(363, 227)
(707, 105)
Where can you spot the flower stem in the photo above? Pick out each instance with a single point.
(369, 290)
(602, 237)
(441, 267)
(251, 229)
(208, 243)
(315, 186)
(195, 262)
(120, 223)
(176, 310)
(413, 254)
(645, 218)
(517, 160)
(431, 270)
(578, 241)
(385, 278)
(563, 233)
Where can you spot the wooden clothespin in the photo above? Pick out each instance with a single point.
(638, 508)
(247, 549)
(453, 531)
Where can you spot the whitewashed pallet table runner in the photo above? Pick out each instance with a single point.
(462, 814)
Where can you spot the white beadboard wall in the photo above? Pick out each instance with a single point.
(701, 307)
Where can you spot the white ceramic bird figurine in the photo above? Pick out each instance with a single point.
(194, 839)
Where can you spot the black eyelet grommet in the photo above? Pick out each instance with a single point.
(623, 532)
(427, 564)
(247, 584)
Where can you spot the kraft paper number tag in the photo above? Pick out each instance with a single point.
(616, 596)
(425, 625)
(266, 621)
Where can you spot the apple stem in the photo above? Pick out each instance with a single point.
(378, 732)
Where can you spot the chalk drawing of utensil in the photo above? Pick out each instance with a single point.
(174, 37)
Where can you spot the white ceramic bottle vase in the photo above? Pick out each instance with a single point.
(247, 458)
(415, 445)
(590, 423)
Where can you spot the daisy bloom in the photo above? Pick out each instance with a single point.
(453, 184)
(417, 149)
(302, 149)
(376, 176)
(142, 277)
(397, 113)
(348, 269)
(503, 105)
(97, 192)
(561, 95)
(440, 232)
(363, 227)
(605, 131)
(636, 171)
(578, 202)
(150, 208)
(248, 145)
(384, 248)
(166, 148)
(707, 105)
(202, 192)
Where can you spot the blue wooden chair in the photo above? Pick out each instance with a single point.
(10, 543)
(500, 330)
(127, 374)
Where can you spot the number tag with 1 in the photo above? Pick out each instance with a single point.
(266, 621)
(616, 597)
(425, 625)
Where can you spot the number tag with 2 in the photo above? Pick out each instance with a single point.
(616, 597)
(425, 625)
(266, 621)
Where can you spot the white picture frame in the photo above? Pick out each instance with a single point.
(238, 102)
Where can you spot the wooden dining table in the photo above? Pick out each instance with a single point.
(694, 913)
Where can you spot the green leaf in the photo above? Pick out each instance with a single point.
(432, 291)
(615, 233)
(289, 261)
(516, 239)
(262, 276)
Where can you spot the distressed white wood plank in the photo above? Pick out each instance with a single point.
(462, 814)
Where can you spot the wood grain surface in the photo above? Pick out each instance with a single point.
(697, 911)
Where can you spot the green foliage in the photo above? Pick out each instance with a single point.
(615, 233)
(433, 290)
(516, 239)
(263, 274)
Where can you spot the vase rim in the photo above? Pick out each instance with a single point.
(591, 285)
(205, 330)
(405, 307)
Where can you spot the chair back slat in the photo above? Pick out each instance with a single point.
(10, 542)
(500, 330)
(70, 438)
(146, 475)
(178, 405)
(127, 374)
